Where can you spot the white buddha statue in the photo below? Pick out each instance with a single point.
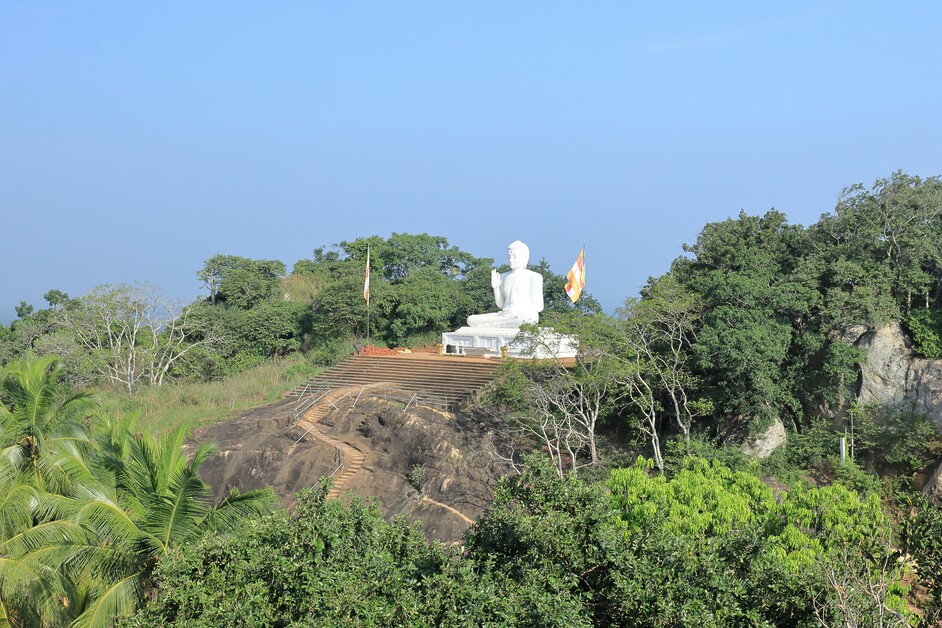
(518, 293)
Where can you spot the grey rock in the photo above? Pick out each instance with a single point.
(893, 375)
(932, 489)
(764, 444)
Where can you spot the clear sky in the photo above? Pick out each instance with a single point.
(137, 139)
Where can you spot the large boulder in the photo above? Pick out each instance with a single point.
(892, 375)
(762, 445)
(932, 486)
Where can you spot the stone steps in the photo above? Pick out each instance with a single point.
(309, 426)
(353, 460)
(445, 381)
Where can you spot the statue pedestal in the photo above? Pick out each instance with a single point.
(487, 341)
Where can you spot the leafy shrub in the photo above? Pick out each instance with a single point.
(854, 477)
(925, 328)
(335, 564)
(330, 351)
(702, 446)
(812, 447)
(719, 548)
(416, 476)
(920, 529)
(895, 440)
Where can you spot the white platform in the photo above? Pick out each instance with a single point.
(489, 340)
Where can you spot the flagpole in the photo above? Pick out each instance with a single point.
(367, 294)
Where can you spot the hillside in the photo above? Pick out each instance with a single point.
(435, 467)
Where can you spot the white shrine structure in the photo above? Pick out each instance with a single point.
(519, 295)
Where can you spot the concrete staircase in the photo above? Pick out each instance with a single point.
(443, 381)
(351, 459)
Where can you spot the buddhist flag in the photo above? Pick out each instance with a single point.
(576, 277)
(366, 277)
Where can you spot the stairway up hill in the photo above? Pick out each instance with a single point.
(443, 381)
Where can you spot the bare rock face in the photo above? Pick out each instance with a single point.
(764, 444)
(893, 375)
(432, 467)
(932, 488)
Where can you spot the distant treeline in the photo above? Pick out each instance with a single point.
(769, 306)
(132, 335)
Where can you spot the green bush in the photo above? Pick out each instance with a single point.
(330, 351)
(702, 446)
(892, 440)
(925, 327)
(812, 447)
(920, 529)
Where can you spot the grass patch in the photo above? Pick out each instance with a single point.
(195, 404)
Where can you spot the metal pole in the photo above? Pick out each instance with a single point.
(367, 295)
(851, 435)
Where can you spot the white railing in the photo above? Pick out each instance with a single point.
(303, 406)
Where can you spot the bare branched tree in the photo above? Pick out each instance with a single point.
(657, 332)
(132, 333)
(858, 593)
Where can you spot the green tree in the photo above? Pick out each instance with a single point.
(239, 281)
(83, 524)
(402, 254)
(420, 285)
(43, 461)
(767, 346)
(24, 310)
(151, 500)
(331, 563)
(128, 334)
(423, 304)
(34, 590)
(41, 424)
(894, 440)
(894, 225)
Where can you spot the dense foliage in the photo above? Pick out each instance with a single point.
(758, 322)
(779, 298)
(87, 508)
(128, 336)
(707, 546)
(755, 324)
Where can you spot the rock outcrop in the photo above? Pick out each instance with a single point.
(892, 374)
(932, 487)
(764, 444)
(434, 467)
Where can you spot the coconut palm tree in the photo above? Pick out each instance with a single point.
(154, 501)
(42, 433)
(42, 457)
(34, 526)
(82, 527)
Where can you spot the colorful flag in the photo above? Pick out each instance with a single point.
(576, 277)
(366, 277)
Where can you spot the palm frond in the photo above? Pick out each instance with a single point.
(17, 498)
(230, 514)
(175, 517)
(49, 533)
(31, 591)
(118, 599)
(103, 516)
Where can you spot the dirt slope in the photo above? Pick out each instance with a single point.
(432, 466)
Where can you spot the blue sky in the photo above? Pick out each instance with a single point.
(138, 139)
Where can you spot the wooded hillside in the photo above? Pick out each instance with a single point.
(630, 501)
